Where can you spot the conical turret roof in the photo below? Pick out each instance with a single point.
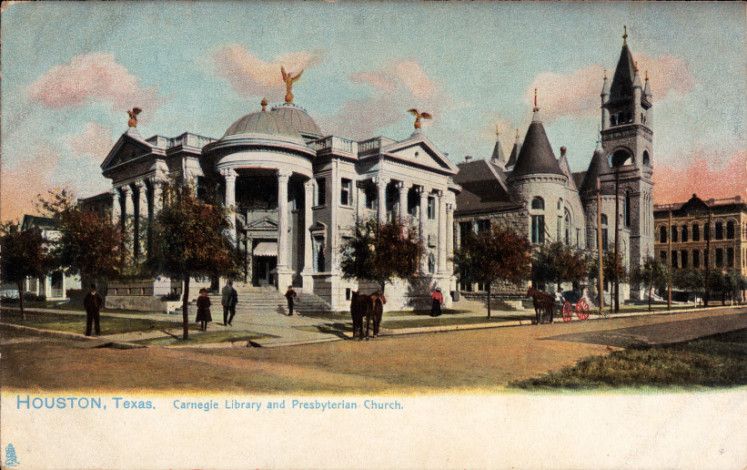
(498, 155)
(622, 81)
(536, 155)
(597, 166)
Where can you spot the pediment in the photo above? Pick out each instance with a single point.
(127, 148)
(262, 224)
(418, 150)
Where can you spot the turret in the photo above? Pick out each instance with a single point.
(604, 96)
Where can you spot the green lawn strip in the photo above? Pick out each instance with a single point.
(715, 361)
(204, 338)
(395, 313)
(445, 321)
(76, 324)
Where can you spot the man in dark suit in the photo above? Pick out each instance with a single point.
(229, 299)
(93, 303)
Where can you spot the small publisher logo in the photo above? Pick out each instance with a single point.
(11, 460)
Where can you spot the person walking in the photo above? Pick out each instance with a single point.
(93, 303)
(378, 300)
(203, 309)
(290, 296)
(229, 299)
(437, 298)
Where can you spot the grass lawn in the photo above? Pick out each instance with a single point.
(77, 324)
(715, 361)
(446, 320)
(204, 338)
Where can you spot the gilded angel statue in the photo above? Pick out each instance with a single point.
(418, 116)
(289, 79)
(133, 116)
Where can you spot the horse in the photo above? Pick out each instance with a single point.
(544, 304)
(369, 306)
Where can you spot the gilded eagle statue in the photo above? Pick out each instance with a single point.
(418, 116)
(289, 80)
(133, 116)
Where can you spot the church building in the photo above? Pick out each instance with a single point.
(534, 192)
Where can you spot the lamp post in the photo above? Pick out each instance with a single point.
(600, 287)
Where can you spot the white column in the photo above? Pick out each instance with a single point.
(48, 287)
(441, 233)
(142, 216)
(402, 188)
(381, 184)
(116, 208)
(229, 175)
(284, 273)
(308, 250)
(157, 187)
(127, 217)
(421, 226)
(450, 249)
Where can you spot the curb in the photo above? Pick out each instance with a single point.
(78, 336)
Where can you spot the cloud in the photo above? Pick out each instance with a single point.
(94, 77)
(22, 183)
(95, 141)
(251, 77)
(396, 87)
(674, 184)
(576, 93)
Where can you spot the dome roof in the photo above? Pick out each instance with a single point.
(262, 122)
(297, 119)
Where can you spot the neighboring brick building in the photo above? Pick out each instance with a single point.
(682, 231)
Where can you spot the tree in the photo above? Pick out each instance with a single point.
(493, 255)
(381, 252)
(88, 244)
(190, 239)
(653, 273)
(689, 280)
(24, 254)
(558, 263)
(609, 268)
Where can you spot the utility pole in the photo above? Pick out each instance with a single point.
(669, 260)
(600, 287)
(617, 238)
(707, 260)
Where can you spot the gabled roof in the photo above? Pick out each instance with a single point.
(622, 81)
(131, 137)
(482, 189)
(536, 155)
(399, 150)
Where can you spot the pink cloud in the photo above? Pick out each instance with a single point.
(250, 76)
(396, 87)
(576, 93)
(95, 141)
(22, 183)
(673, 184)
(94, 77)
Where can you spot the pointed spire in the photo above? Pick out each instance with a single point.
(625, 34)
(605, 85)
(535, 109)
(514, 151)
(498, 156)
(622, 80)
(647, 87)
(636, 77)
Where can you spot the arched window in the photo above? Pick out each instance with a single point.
(684, 233)
(662, 234)
(621, 157)
(674, 233)
(730, 229)
(538, 203)
(719, 230)
(646, 158)
(538, 221)
(567, 227)
(696, 232)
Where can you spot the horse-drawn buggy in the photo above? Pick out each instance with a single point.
(574, 302)
(568, 303)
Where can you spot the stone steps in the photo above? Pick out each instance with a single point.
(270, 301)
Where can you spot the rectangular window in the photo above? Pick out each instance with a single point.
(696, 232)
(696, 259)
(663, 256)
(719, 257)
(605, 240)
(674, 233)
(719, 231)
(730, 257)
(483, 225)
(431, 208)
(465, 228)
(538, 229)
(684, 233)
(346, 192)
(371, 197)
(674, 259)
(321, 192)
(683, 258)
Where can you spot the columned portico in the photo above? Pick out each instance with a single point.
(402, 188)
(284, 271)
(127, 217)
(442, 270)
(381, 184)
(229, 176)
(422, 216)
(140, 199)
(308, 253)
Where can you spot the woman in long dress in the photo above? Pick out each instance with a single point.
(203, 309)
(437, 298)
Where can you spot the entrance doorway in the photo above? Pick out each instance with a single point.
(264, 271)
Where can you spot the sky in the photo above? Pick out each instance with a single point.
(70, 71)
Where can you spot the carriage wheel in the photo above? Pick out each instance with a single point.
(566, 311)
(582, 310)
